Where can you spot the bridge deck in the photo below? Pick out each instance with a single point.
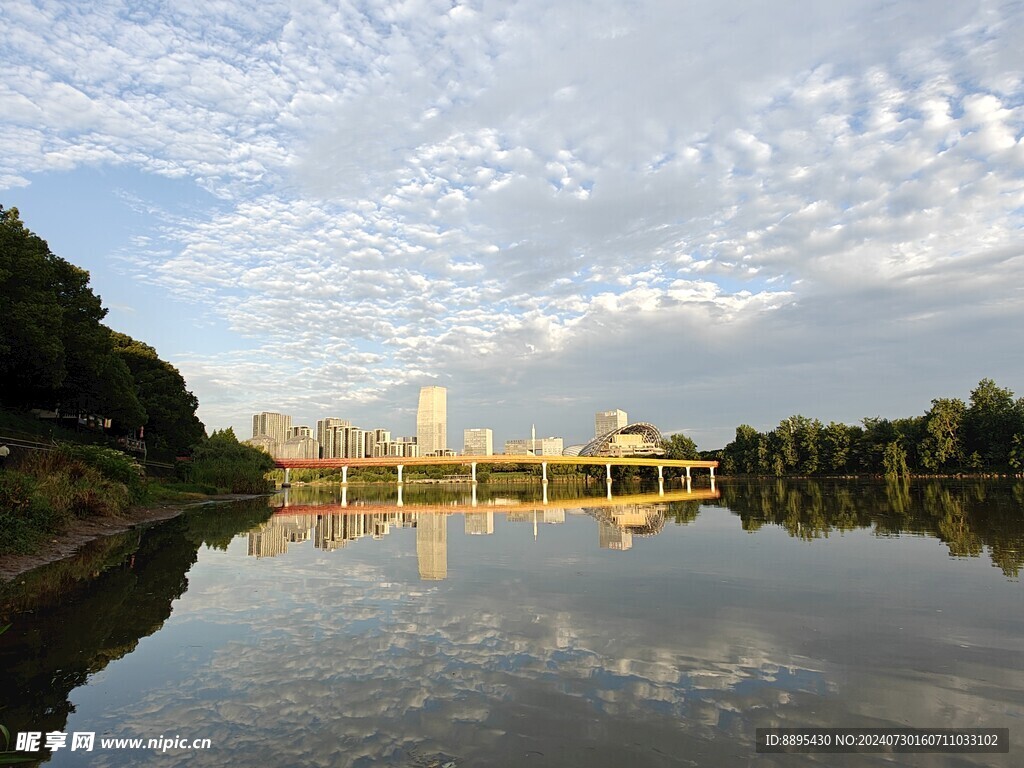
(396, 461)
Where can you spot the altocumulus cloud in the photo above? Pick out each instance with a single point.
(703, 214)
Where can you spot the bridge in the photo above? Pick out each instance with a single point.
(400, 462)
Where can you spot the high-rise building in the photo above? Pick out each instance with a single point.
(432, 420)
(477, 442)
(326, 435)
(272, 425)
(606, 421)
(302, 431)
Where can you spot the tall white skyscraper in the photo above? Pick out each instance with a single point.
(432, 420)
(606, 421)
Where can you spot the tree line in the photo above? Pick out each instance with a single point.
(56, 354)
(985, 434)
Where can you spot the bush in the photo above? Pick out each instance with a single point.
(25, 515)
(73, 488)
(111, 464)
(222, 461)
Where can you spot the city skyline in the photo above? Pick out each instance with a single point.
(332, 433)
(710, 214)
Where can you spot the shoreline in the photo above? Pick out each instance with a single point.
(67, 543)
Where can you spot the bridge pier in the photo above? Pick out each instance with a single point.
(687, 475)
(544, 485)
(286, 483)
(400, 502)
(473, 502)
(661, 486)
(608, 472)
(344, 475)
(544, 474)
(608, 484)
(472, 465)
(400, 466)
(344, 495)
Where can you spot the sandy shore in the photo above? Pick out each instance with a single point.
(84, 531)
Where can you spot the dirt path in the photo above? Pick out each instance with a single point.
(82, 532)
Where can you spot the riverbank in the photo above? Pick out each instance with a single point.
(81, 532)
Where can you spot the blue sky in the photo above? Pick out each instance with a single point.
(703, 213)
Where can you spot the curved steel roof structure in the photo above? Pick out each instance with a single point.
(599, 446)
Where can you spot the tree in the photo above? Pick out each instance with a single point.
(679, 446)
(894, 460)
(989, 423)
(943, 444)
(172, 424)
(31, 350)
(835, 447)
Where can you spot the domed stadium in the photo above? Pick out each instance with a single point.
(639, 439)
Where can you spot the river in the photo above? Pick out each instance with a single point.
(646, 630)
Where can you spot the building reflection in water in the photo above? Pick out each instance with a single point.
(432, 546)
(333, 528)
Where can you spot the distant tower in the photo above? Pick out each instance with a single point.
(432, 420)
(606, 421)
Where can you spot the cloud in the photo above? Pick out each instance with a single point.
(502, 196)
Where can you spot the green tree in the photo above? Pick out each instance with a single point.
(989, 423)
(172, 426)
(679, 446)
(31, 350)
(942, 446)
(894, 460)
(835, 447)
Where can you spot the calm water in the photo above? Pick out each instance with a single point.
(580, 633)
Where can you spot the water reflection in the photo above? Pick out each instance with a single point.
(580, 632)
(969, 517)
(326, 517)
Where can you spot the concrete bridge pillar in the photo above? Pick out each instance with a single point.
(661, 486)
(688, 488)
(400, 502)
(473, 502)
(344, 475)
(712, 482)
(472, 465)
(400, 467)
(687, 475)
(286, 483)
(544, 473)
(712, 474)
(545, 487)
(660, 475)
(608, 484)
(608, 472)
(344, 495)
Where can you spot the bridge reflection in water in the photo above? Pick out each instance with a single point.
(335, 526)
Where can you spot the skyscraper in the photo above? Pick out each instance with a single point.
(606, 421)
(432, 420)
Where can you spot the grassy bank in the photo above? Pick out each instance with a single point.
(48, 490)
(44, 492)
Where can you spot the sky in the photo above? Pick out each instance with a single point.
(704, 213)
